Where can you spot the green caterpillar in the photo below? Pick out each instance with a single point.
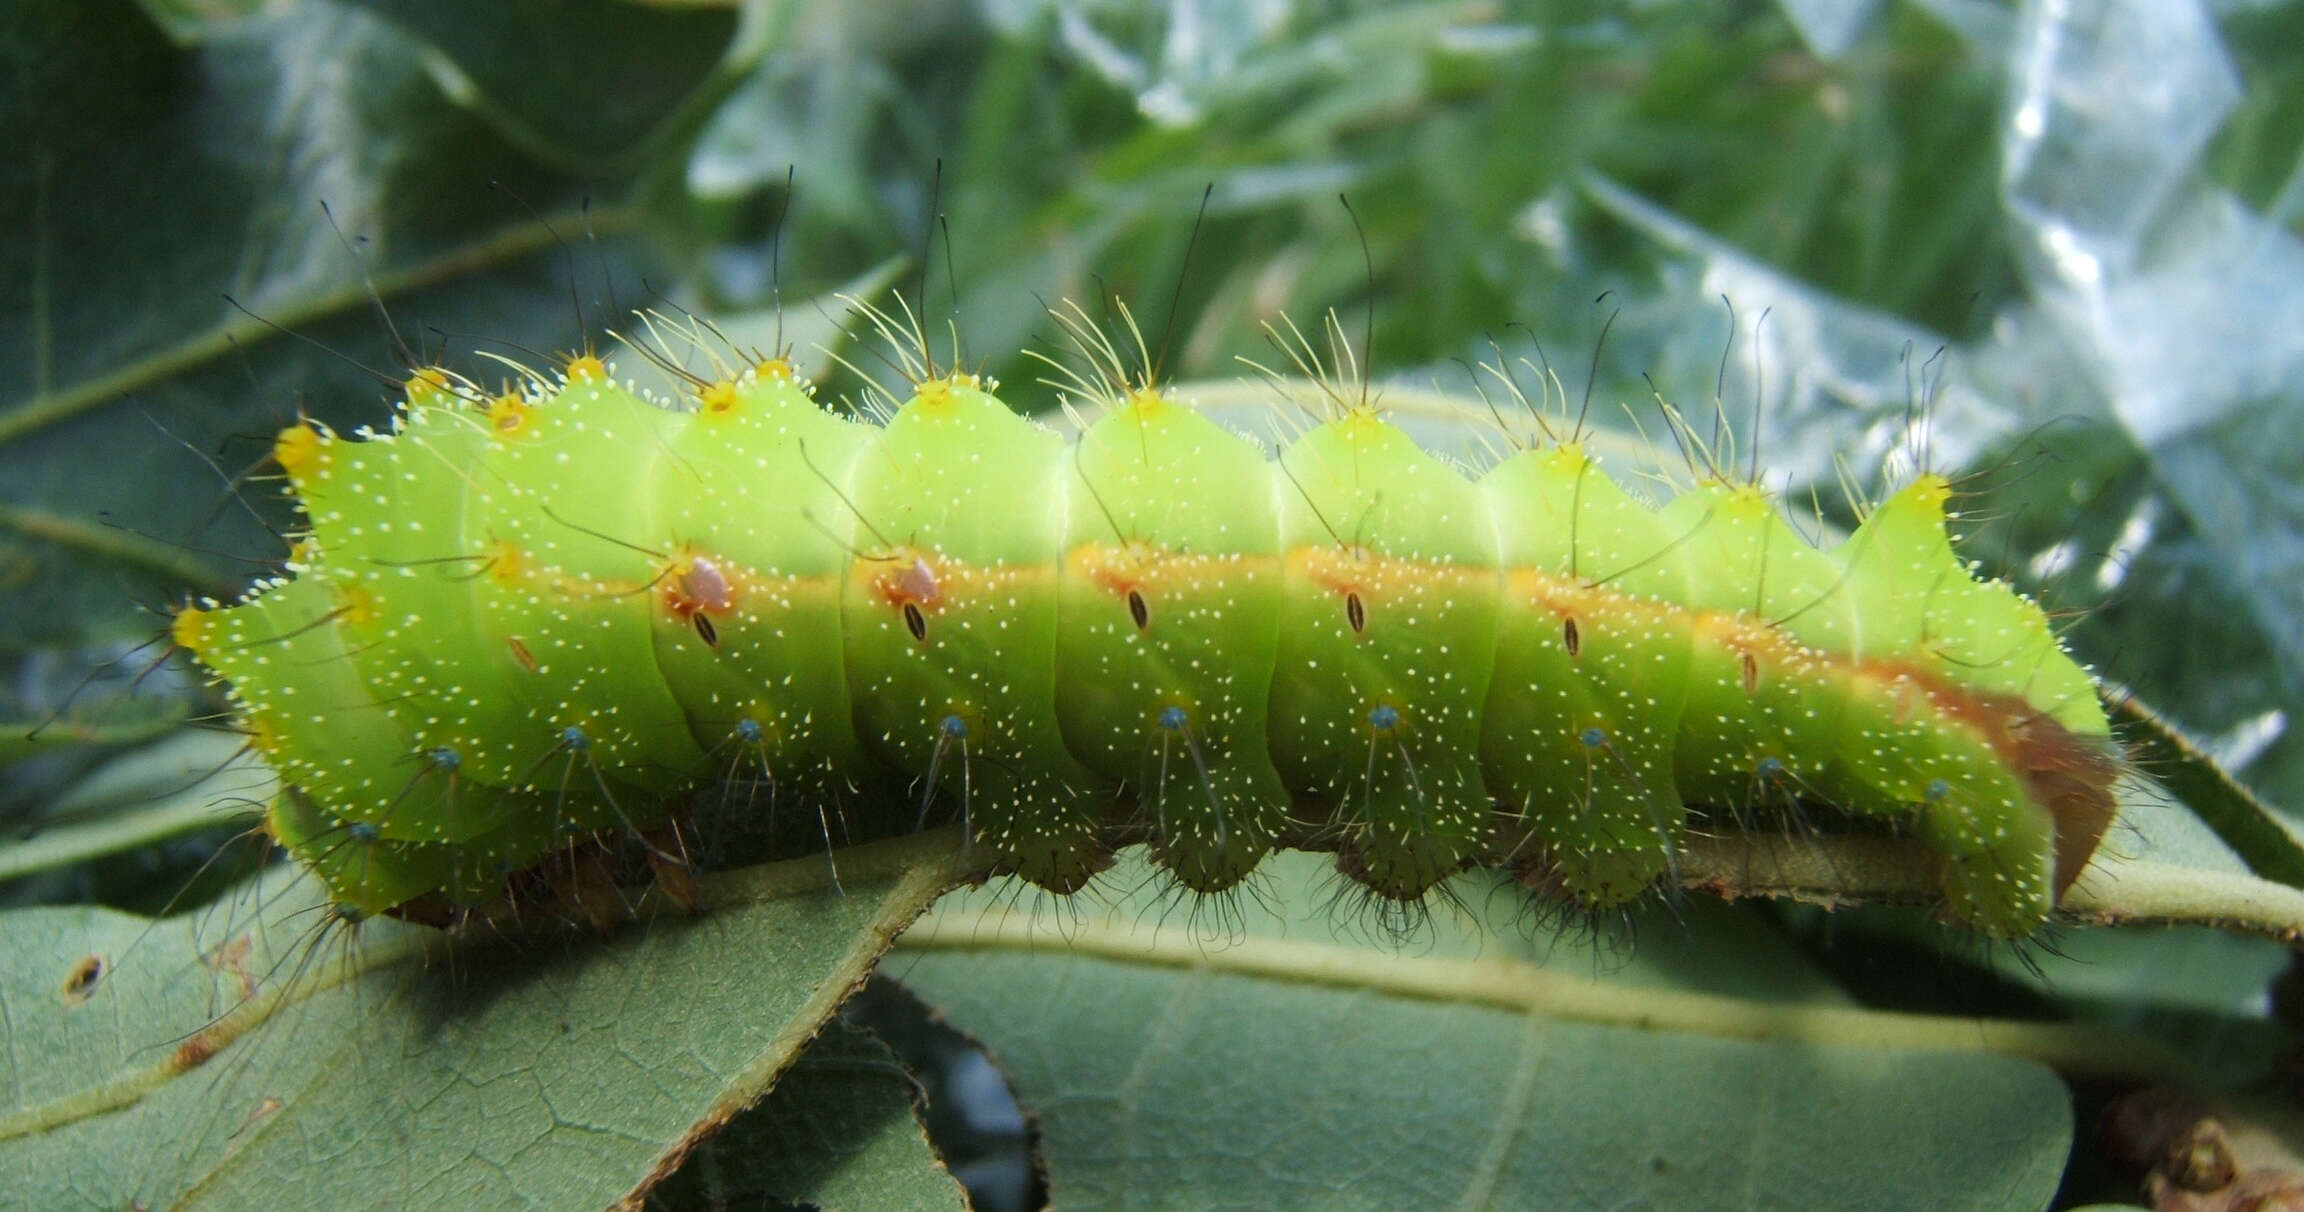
(523, 620)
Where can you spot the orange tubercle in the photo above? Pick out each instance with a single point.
(699, 585)
(1338, 569)
(1115, 570)
(908, 580)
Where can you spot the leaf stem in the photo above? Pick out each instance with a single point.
(79, 842)
(105, 542)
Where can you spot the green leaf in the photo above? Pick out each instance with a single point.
(1281, 1067)
(260, 1055)
(120, 349)
(2268, 843)
(840, 1132)
(192, 781)
(632, 68)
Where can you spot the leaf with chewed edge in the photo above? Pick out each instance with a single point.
(1711, 1070)
(841, 1131)
(184, 1064)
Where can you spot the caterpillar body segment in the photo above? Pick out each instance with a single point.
(1170, 612)
(1387, 640)
(1592, 666)
(951, 628)
(525, 619)
(576, 604)
(759, 549)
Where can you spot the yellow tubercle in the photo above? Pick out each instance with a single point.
(507, 563)
(300, 450)
(429, 387)
(718, 399)
(1146, 402)
(936, 393)
(1570, 455)
(355, 605)
(1930, 490)
(774, 368)
(263, 737)
(587, 368)
(189, 629)
(1750, 500)
(507, 414)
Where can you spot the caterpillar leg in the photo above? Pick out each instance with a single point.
(1214, 815)
(1417, 814)
(1031, 816)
